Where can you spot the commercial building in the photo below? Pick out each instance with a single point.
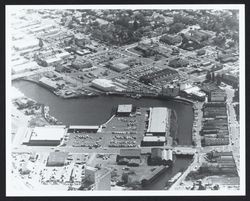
(130, 153)
(103, 84)
(50, 61)
(26, 43)
(47, 136)
(99, 179)
(158, 121)
(83, 129)
(56, 159)
(124, 110)
(194, 92)
(24, 67)
(153, 141)
(48, 83)
(230, 79)
(217, 95)
(119, 67)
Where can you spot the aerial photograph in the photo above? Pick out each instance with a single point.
(124, 100)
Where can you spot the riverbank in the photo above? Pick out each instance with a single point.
(124, 94)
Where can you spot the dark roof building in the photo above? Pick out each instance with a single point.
(165, 74)
(130, 153)
(57, 158)
(217, 95)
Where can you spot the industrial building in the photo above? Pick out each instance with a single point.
(99, 179)
(220, 162)
(25, 44)
(194, 92)
(130, 153)
(158, 121)
(24, 67)
(167, 75)
(56, 159)
(153, 141)
(48, 83)
(47, 136)
(83, 129)
(230, 79)
(151, 177)
(119, 67)
(103, 84)
(124, 110)
(160, 156)
(171, 90)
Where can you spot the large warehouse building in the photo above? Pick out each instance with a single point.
(158, 120)
(103, 84)
(47, 136)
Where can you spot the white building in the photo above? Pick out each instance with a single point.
(48, 135)
(158, 120)
(104, 84)
(26, 43)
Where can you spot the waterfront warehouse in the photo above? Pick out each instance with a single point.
(124, 110)
(48, 83)
(151, 177)
(103, 84)
(47, 136)
(158, 120)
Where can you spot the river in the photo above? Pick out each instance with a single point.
(96, 110)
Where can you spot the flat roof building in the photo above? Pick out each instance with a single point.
(124, 109)
(158, 120)
(48, 83)
(103, 84)
(119, 67)
(57, 159)
(24, 44)
(99, 178)
(48, 135)
(130, 153)
(153, 141)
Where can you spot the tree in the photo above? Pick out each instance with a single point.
(208, 76)
(176, 27)
(212, 76)
(135, 25)
(40, 43)
(125, 177)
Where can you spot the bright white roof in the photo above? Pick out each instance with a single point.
(83, 127)
(48, 82)
(157, 120)
(125, 108)
(47, 133)
(154, 139)
(26, 43)
(103, 82)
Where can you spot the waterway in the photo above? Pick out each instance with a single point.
(180, 165)
(96, 110)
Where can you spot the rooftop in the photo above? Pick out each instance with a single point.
(124, 108)
(47, 133)
(157, 120)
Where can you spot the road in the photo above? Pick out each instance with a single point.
(40, 70)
